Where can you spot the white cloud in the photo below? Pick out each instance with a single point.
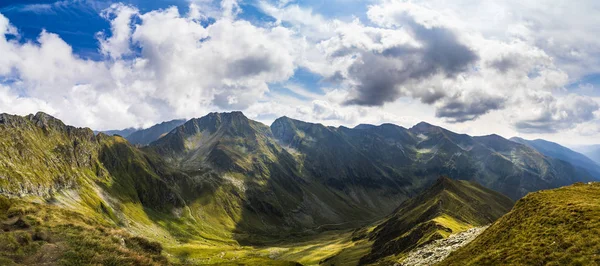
(454, 64)
(15, 104)
(183, 69)
(118, 44)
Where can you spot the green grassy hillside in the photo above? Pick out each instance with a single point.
(42, 234)
(74, 173)
(553, 227)
(223, 189)
(448, 207)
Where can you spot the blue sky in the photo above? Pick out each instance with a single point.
(78, 21)
(466, 66)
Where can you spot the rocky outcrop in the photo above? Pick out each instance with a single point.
(438, 250)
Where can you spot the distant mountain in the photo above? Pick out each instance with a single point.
(447, 207)
(148, 135)
(553, 227)
(591, 151)
(123, 132)
(557, 151)
(364, 126)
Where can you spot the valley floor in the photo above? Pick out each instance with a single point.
(307, 250)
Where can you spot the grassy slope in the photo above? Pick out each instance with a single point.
(41, 233)
(198, 214)
(448, 207)
(116, 185)
(553, 227)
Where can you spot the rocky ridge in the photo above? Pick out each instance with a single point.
(438, 250)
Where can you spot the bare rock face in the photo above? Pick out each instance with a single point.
(438, 250)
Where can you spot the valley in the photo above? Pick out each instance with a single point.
(224, 189)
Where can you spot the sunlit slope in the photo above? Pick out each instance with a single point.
(42, 234)
(448, 207)
(107, 179)
(553, 227)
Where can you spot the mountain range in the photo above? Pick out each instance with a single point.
(558, 151)
(147, 135)
(591, 151)
(223, 188)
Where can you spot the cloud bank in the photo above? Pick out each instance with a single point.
(162, 64)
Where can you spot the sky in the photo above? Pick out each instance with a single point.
(515, 67)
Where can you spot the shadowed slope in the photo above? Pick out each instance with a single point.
(270, 191)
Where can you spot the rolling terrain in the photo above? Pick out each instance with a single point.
(226, 189)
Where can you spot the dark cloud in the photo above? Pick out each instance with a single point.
(442, 51)
(380, 75)
(504, 64)
(557, 116)
(457, 111)
(536, 126)
(250, 66)
(336, 78)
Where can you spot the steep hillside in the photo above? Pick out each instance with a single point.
(329, 156)
(77, 174)
(43, 234)
(270, 190)
(148, 135)
(447, 207)
(557, 151)
(74, 173)
(553, 227)
(45, 157)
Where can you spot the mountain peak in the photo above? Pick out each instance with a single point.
(227, 114)
(153, 133)
(47, 122)
(232, 124)
(493, 137)
(517, 139)
(444, 181)
(364, 126)
(424, 127)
